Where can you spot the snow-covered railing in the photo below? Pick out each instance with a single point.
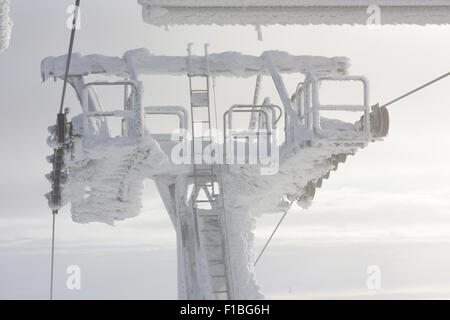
(268, 117)
(308, 107)
(268, 111)
(177, 111)
(302, 114)
(298, 100)
(132, 114)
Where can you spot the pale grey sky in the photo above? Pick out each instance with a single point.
(388, 205)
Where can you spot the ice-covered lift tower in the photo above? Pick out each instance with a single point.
(212, 188)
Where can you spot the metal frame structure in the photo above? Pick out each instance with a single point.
(132, 109)
(263, 129)
(194, 194)
(307, 104)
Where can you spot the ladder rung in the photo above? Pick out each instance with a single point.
(204, 201)
(220, 291)
(210, 230)
(217, 261)
(218, 276)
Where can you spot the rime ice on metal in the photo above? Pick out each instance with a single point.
(5, 25)
(288, 12)
(212, 205)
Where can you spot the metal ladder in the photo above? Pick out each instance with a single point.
(206, 197)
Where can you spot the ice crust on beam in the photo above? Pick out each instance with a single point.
(5, 25)
(285, 12)
(83, 65)
(231, 64)
(287, 3)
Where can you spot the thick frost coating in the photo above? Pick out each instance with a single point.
(231, 64)
(83, 65)
(5, 25)
(284, 12)
(288, 3)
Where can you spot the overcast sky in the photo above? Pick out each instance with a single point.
(386, 206)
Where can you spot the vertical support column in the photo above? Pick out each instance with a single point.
(315, 103)
(253, 117)
(299, 131)
(187, 249)
(367, 124)
(307, 106)
(139, 121)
